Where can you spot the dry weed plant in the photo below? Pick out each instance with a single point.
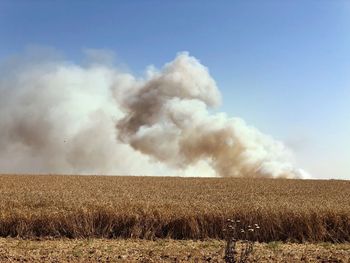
(234, 232)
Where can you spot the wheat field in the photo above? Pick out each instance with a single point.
(169, 207)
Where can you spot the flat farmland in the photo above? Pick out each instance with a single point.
(42, 206)
(162, 250)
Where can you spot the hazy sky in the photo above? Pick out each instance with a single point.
(283, 66)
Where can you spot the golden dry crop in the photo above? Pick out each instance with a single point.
(179, 208)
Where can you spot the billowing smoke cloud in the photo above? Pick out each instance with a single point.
(60, 117)
(167, 117)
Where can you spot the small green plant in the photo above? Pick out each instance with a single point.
(235, 231)
(274, 245)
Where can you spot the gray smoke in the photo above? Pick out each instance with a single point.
(167, 117)
(60, 117)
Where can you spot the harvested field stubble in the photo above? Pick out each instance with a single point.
(179, 208)
(162, 250)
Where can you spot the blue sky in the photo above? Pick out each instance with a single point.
(283, 66)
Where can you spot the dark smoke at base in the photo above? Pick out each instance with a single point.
(60, 117)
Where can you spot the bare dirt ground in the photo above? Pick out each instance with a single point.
(162, 250)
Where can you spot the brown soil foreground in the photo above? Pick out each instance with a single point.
(162, 250)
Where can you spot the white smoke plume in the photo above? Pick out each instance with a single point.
(61, 117)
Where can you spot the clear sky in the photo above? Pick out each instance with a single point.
(283, 66)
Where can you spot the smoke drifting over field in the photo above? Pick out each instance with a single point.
(60, 117)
